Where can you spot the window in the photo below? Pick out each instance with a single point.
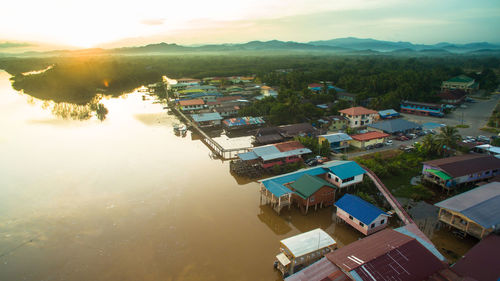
(356, 123)
(382, 221)
(362, 224)
(312, 198)
(373, 225)
(348, 179)
(329, 176)
(351, 218)
(336, 179)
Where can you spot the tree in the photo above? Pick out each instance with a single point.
(448, 138)
(429, 145)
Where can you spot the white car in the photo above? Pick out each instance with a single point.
(388, 142)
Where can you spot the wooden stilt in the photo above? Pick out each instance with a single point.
(307, 206)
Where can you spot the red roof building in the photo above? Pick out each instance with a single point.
(368, 139)
(195, 104)
(386, 255)
(359, 116)
(481, 262)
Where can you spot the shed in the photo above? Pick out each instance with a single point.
(207, 119)
(303, 249)
(360, 214)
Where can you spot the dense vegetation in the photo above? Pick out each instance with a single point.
(389, 78)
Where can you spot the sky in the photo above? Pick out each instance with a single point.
(110, 23)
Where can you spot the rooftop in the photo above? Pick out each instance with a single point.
(337, 137)
(359, 208)
(369, 136)
(307, 185)
(461, 79)
(308, 242)
(204, 117)
(191, 102)
(466, 164)
(481, 204)
(322, 270)
(358, 110)
(481, 262)
(388, 112)
(386, 255)
(395, 125)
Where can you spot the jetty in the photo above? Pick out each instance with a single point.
(215, 147)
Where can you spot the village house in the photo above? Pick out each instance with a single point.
(481, 262)
(359, 116)
(228, 110)
(368, 139)
(388, 114)
(275, 154)
(337, 141)
(422, 108)
(303, 249)
(227, 101)
(206, 120)
(312, 191)
(334, 123)
(317, 87)
(237, 123)
(467, 169)
(190, 81)
(346, 96)
(461, 82)
(394, 126)
(279, 191)
(284, 132)
(454, 97)
(363, 216)
(191, 105)
(475, 212)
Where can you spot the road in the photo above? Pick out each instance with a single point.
(475, 115)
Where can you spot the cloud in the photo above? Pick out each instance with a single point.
(152, 21)
(6, 45)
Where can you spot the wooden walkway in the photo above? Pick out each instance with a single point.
(208, 141)
(400, 211)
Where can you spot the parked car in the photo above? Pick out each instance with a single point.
(368, 147)
(411, 136)
(378, 145)
(388, 142)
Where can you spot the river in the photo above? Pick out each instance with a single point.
(127, 199)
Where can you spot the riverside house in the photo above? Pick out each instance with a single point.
(475, 212)
(276, 154)
(191, 105)
(303, 249)
(467, 169)
(311, 187)
(361, 215)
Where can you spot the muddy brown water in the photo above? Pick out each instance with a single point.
(127, 199)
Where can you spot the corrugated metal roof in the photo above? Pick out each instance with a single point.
(406, 230)
(394, 126)
(346, 169)
(359, 208)
(246, 156)
(358, 110)
(308, 242)
(481, 204)
(481, 262)
(386, 255)
(203, 117)
(280, 154)
(439, 174)
(369, 136)
(307, 185)
(322, 270)
(466, 164)
(388, 112)
(277, 189)
(337, 137)
(409, 262)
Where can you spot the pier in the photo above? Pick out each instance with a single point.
(215, 147)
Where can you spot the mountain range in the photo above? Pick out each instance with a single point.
(349, 45)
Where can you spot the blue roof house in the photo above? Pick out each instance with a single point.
(361, 215)
(279, 191)
(337, 141)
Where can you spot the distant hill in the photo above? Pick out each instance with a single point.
(344, 46)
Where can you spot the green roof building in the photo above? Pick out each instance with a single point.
(462, 82)
(313, 191)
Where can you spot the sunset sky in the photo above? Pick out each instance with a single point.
(94, 23)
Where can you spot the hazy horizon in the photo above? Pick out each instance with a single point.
(78, 24)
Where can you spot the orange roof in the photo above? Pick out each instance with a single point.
(191, 102)
(369, 136)
(289, 145)
(358, 110)
(265, 88)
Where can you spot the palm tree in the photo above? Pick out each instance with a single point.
(430, 144)
(448, 138)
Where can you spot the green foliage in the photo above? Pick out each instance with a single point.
(313, 144)
(447, 138)
(462, 126)
(416, 192)
(366, 197)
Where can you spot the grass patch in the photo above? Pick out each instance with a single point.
(490, 130)
(462, 126)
